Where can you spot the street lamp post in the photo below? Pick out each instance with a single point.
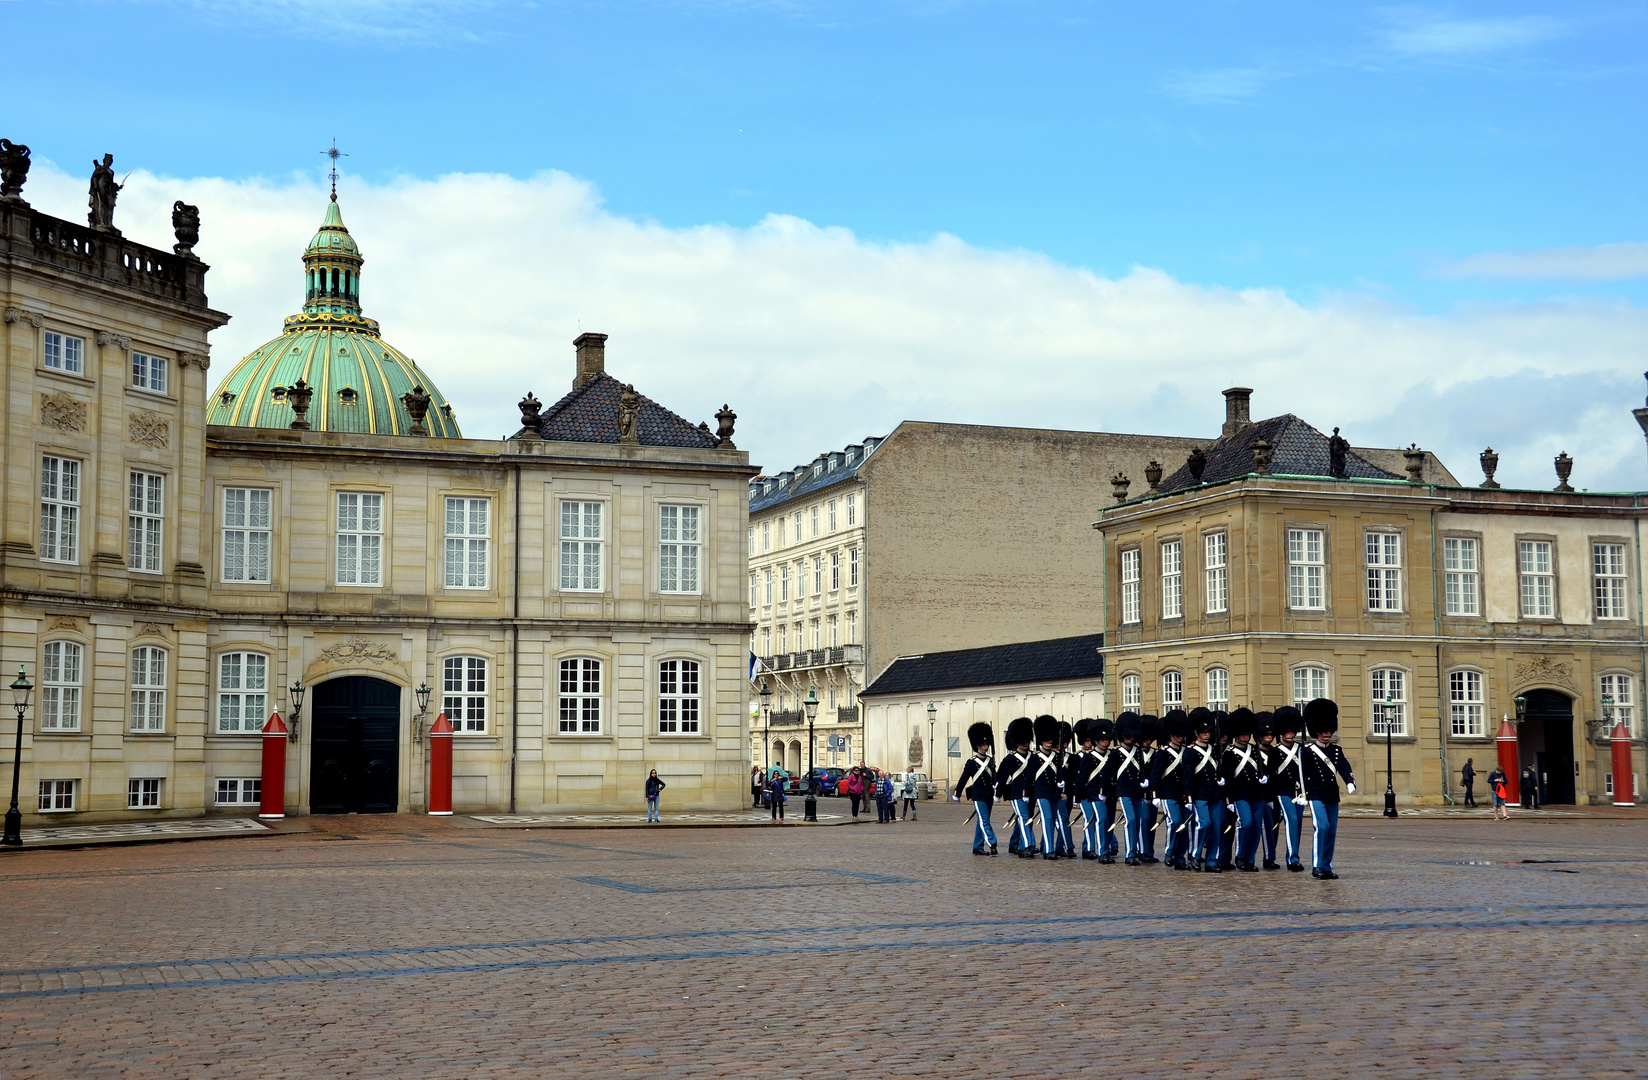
(932, 719)
(14, 817)
(1390, 789)
(765, 694)
(295, 694)
(422, 693)
(810, 808)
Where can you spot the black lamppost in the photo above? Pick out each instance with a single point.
(422, 693)
(810, 808)
(932, 721)
(1390, 789)
(14, 817)
(295, 692)
(765, 694)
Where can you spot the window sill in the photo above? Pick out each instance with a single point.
(249, 740)
(69, 375)
(151, 395)
(673, 737)
(567, 738)
(1488, 739)
(470, 741)
(140, 736)
(62, 734)
(1395, 740)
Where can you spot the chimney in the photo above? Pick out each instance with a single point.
(592, 358)
(1236, 406)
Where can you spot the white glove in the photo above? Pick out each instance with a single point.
(1157, 803)
(1221, 781)
(1351, 788)
(1264, 779)
(1104, 798)
(1230, 808)
(1300, 800)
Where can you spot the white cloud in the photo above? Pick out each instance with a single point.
(1216, 86)
(1599, 262)
(818, 337)
(406, 22)
(1424, 32)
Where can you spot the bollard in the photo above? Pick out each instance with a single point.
(1508, 763)
(273, 802)
(1623, 793)
(440, 767)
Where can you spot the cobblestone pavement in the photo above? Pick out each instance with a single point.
(405, 947)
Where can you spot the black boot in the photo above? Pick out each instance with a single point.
(1272, 864)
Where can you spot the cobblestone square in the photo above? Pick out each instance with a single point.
(399, 946)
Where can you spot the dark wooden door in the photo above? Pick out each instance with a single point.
(355, 747)
(1555, 712)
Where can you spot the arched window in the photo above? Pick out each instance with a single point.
(1618, 702)
(242, 693)
(60, 687)
(580, 697)
(1309, 683)
(1388, 698)
(1172, 690)
(1217, 681)
(463, 693)
(678, 697)
(1465, 704)
(148, 711)
(1130, 692)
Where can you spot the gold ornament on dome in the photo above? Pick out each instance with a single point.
(1542, 669)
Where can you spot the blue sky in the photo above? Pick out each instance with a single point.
(1428, 169)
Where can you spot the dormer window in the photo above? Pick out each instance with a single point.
(446, 409)
(347, 396)
(226, 397)
(279, 393)
(818, 468)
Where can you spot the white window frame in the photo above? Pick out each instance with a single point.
(1132, 692)
(766, 536)
(145, 521)
(1307, 687)
(680, 688)
(464, 693)
(1383, 558)
(1609, 579)
(57, 796)
(754, 595)
(1381, 680)
(835, 636)
(835, 571)
(246, 791)
(815, 520)
(242, 692)
(680, 548)
(466, 558)
(1622, 688)
(580, 709)
(1131, 558)
(784, 584)
(148, 665)
(1216, 563)
(62, 673)
(582, 529)
(769, 583)
(1172, 555)
(1217, 682)
(59, 509)
(1172, 690)
(818, 575)
(1536, 578)
(818, 640)
(149, 372)
(1462, 575)
(783, 638)
(852, 510)
(1467, 704)
(64, 352)
(359, 545)
(852, 630)
(143, 793)
(852, 568)
(247, 535)
(832, 515)
(1307, 569)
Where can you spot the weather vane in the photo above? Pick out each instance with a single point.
(334, 154)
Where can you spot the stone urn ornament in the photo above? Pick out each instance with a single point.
(1490, 463)
(1415, 463)
(1153, 477)
(1197, 464)
(1119, 485)
(297, 396)
(1261, 456)
(1564, 469)
(531, 412)
(723, 433)
(417, 407)
(186, 227)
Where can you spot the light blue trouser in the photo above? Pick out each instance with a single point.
(1247, 830)
(1051, 811)
(1292, 815)
(1067, 840)
(1324, 821)
(1267, 827)
(1023, 839)
(1107, 827)
(983, 834)
(1133, 825)
(1210, 828)
(1090, 827)
(652, 809)
(1177, 842)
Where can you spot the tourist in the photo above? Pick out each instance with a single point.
(654, 786)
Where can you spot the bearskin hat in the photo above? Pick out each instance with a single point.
(1150, 728)
(1020, 731)
(1322, 715)
(1200, 720)
(1128, 727)
(1240, 723)
(1287, 718)
(1264, 723)
(1177, 723)
(1079, 731)
(1172, 715)
(1101, 730)
(1047, 729)
(981, 735)
(1066, 733)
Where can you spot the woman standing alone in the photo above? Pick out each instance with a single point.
(654, 786)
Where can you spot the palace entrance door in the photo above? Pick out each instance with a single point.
(355, 747)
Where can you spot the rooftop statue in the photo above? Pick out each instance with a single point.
(14, 170)
(104, 191)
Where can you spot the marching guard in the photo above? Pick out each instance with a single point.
(1288, 778)
(1048, 783)
(1245, 781)
(1131, 782)
(1014, 783)
(1168, 773)
(1325, 763)
(1264, 729)
(978, 783)
(1207, 794)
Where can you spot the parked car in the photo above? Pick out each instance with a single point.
(829, 779)
(926, 788)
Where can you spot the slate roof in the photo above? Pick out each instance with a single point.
(993, 665)
(808, 483)
(1297, 449)
(590, 414)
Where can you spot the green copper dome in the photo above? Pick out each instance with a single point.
(357, 380)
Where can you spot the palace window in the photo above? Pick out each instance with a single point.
(1218, 689)
(1384, 555)
(800, 579)
(784, 583)
(815, 522)
(852, 628)
(1172, 580)
(360, 538)
(1608, 565)
(1618, 702)
(65, 353)
(56, 796)
(818, 575)
(580, 701)
(1460, 576)
(832, 515)
(769, 586)
(581, 546)
(148, 692)
(246, 534)
(149, 372)
(835, 632)
(798, 526)
(678, 546)
(1172, 690)
(766, 536)
(463, 694)
(239, 791)
(678, 697)
(1130, 586)
(1465, 704)
(783, 637)
(1217, 572)
(1130, 691)
(144, 506)
(143, 793)
(835, 571)
(818, 641)
(467, 532)
(1537, 578)
(59, 509)
(1305, 570)
(1388, 699)
(852, 510)
(753, 593)
(242, 693)
(1309, 683)
(852, 568)
(60, 686)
